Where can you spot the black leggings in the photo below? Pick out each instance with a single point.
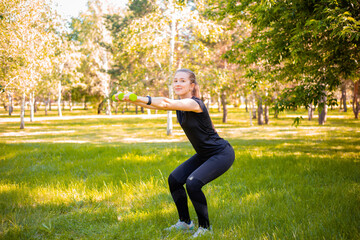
(196, 172)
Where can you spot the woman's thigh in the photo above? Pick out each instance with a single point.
(182, 172)
(214, 167)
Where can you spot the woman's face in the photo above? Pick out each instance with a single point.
(182, 84)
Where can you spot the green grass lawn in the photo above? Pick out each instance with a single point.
(106, 178)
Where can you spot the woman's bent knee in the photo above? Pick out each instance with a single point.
(173, 183)
(193, 184)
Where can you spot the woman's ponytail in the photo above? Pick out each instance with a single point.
(196, 91)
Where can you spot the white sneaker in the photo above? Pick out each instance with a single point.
(181, 226)
(201, 232)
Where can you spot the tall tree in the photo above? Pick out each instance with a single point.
(27, 45)
(309, 45)
(145, 39)
(90, 33)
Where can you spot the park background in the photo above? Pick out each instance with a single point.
(280, 80)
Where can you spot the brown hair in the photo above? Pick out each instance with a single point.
(192, 77)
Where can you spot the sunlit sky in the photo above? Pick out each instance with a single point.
(72, 8)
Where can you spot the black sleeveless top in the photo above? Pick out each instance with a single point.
(200, 131)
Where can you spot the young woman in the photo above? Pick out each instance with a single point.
(214, 155)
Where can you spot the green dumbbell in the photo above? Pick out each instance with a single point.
(132, 97)
(121, 96)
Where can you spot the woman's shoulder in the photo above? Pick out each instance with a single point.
(196, 98)
(200, 102)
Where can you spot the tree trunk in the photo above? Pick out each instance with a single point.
(108, 107)
(136, 109)
(70, 102)
(250, 108)
(322, 110)
(236, 103)
(31, 101)
(116, 108)
(355, 104)
(208, 102)
(49, 101)
(219, 102)
(169, 127)
(246, 104)
(343, 97)
(274, 99)
(250, 114)
(276, 113)
(310, 111)
(11, 107)
(59, 99)
(266, 114)
(85, 104)
(253, 107)
(100, 106)
(46, 106)
(22, 112)
(260, 112)
(35, 104)
(223, 103)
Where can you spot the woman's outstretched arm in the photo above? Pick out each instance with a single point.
(162, 103)
(143, 105)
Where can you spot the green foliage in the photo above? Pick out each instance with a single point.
(28, 44)
(316, 40)
(141, 45)
(140, 8)
(94, 46)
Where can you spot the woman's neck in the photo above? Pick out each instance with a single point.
(189, 95)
